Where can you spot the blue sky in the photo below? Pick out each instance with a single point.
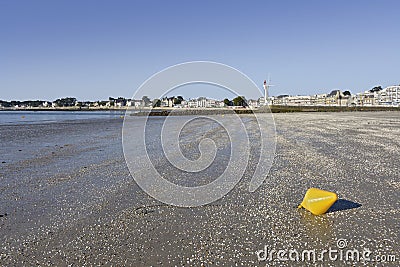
(95, 49)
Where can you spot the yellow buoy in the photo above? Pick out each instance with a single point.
(318, 201)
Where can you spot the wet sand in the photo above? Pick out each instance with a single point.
(67, 198)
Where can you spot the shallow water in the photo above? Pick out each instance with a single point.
(29, 117)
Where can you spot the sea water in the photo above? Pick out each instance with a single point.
(29, 117)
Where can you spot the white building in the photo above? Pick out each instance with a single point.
(46, 104)
(389, 96)
(134, 103)
(167, 102)
(202, 102)
(253, 103)
(334, 98)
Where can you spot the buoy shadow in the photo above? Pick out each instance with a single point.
(343, 204)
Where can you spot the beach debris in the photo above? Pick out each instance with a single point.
(318, 201)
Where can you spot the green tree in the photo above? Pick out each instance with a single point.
(227, 102)
(178, 100)
(347, 93)
(376, 89)
(66, 102)
(240, 101)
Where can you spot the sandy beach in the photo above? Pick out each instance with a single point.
(67, 197)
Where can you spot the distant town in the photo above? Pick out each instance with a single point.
(377, 96)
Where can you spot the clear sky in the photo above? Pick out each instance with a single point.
(95, 49)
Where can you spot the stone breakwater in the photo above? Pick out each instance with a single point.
(186, 112)
(273, 109)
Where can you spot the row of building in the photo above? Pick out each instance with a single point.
(377, 96)
(390, 96)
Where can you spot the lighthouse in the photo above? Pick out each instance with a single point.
(266, 92)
